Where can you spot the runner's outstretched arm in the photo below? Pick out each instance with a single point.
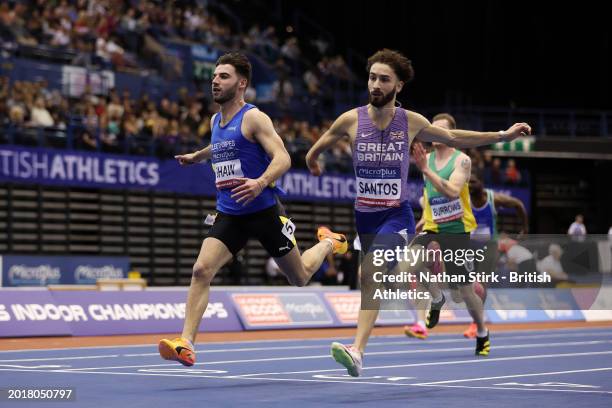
(464, 138)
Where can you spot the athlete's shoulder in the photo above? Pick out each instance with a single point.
(463, 160)
(255, 114)
(349, 116)
(344, 123)
(416, 117)
(463, 155)
(255, 120)
(416, 121)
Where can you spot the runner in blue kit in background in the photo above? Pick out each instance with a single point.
(381, 134)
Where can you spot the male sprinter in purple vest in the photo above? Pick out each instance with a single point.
(381, 134)
(248, 156)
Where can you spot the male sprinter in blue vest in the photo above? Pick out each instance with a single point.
(248, 156)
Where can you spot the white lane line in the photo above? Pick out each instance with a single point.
(20, 360)
(272, 379)
(406, 341)
(376, 353)
(586, 332)
(436, 363)
(214, 377)
(516, 376)
(36, 366)
(225, 343)
(514, 388)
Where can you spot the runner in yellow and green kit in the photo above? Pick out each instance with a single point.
(448, 222)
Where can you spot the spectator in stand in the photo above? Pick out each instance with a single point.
(115, 107)
(312, 81)
(17, 116)
(577, 228)
(192, 117)
(39, 115)
(130, 126)
(512, 174)
(172, 135)
(551, 265)
(282, 89)
(495, 173)
(4, 115)
(291, 49)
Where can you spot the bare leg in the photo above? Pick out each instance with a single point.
(365, 324)
(474, 306)
(367, 314)
(213, 255)
(299, 269)
(421, 305)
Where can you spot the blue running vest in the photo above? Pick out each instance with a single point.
(486, 218)
(234, 156)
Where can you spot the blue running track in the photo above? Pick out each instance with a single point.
(553, 368)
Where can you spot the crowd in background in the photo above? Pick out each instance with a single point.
(121, 123)
(128, 35)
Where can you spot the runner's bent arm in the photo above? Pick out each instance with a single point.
(504, 200)
(265, 134)
(258, 126)
(338, 130)
(460, 175)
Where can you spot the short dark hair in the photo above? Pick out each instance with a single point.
(239, 61)
(401, 65)
(449, 118)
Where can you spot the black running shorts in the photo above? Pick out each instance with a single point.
(270, 226)
(454, 242)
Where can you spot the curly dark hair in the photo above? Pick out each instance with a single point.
(401, 65)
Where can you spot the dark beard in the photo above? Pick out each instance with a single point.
(227, 95)
(382, 101)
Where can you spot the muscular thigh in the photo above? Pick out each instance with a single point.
(213, 254)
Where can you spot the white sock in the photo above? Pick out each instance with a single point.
(421, 323)
(482, 333)
(331, 242)
(438, 299)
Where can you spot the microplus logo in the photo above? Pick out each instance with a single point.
(43, 274)
(92, 273)
(312, 309)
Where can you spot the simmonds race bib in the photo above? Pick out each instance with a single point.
(445, 209)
